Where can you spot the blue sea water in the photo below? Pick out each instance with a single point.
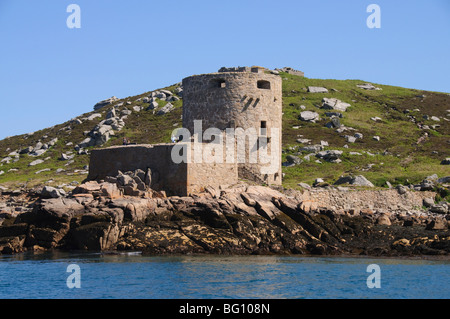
(209, 277)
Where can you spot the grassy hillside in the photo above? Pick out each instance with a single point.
(397, 157)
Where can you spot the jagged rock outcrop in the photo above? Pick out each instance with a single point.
(309, 116)
(103, 103)
(334, 104)
(368, 86)
(239, 220)
(103, 131)
(354, 180)
(165, 109)
(288, 70)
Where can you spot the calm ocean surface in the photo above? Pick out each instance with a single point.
(273, 277)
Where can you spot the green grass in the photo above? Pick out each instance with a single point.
(406, 161)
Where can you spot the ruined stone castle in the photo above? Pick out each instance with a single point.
(243, 103)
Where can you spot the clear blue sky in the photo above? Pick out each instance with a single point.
(50, 73)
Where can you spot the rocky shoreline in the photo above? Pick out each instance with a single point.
(240, 220)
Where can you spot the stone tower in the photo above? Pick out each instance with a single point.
(244, 99)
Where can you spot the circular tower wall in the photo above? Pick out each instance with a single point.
(239, 100)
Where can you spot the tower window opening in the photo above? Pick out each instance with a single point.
(263, 129)
(262, 84)
(218, 83)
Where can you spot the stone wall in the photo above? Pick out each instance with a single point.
(246, 100)
(210, 174)
(382, 200)
(176, 179)
(236, 69)
(213, 169)
(166, 175)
